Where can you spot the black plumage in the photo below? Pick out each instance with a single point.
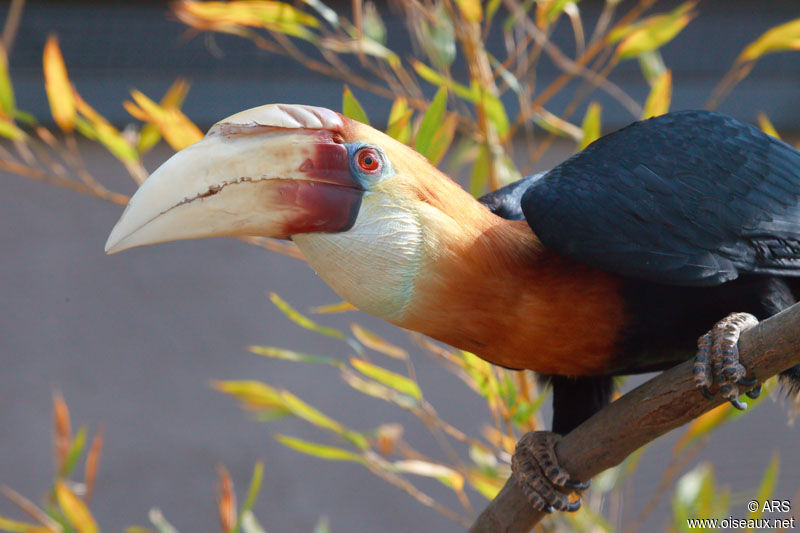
(697, 213)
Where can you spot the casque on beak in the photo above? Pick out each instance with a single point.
(273, 171)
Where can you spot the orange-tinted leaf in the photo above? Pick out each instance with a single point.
(57, 85)
(226, 500)
(92, 463)
(176, 128)
(340, 307)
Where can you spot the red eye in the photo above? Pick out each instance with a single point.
(368, 161)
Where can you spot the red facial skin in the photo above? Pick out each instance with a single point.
(330, 202)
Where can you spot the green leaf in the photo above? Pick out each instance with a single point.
(654, 32)
(289, 355)
(351, 108)
(442, 139)
(398, 382)
(75, 452)
(313, 416)
(303, 321)
(331, 453)
(430, 123)
(480, 173)
(495, 112)
(252, 494)
(591, 125)
(471, 94)
(377, 390)
(9, 130)
(7, 101)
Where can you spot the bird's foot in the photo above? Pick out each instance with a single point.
(717, 360)
(536, 470)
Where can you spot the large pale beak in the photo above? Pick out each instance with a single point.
(244, 180)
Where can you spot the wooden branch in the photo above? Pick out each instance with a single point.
(666, 402)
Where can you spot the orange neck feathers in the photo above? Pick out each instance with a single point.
(491, 288)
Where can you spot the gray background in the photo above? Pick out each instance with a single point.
(134, 339)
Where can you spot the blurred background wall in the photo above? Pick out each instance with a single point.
(134, 340)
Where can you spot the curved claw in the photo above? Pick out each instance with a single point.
(707, 393)
(577, 485)
(574, 506)
(549, 509)
(754, 393)
(737, 403)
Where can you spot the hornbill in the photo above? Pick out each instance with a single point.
(611, 263)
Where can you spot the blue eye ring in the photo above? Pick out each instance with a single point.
(368, 161)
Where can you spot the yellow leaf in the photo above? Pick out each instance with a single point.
(444, 474)
(58, 87)
(6, 524)
(471, 9)
(488, 487)
(399, 125)
(591, 124)
(766, 126)
(254, 394)
(256, 13)
(660, 96)
(322, 451)
(654, 32)
(176, 128)
(302, 320)
(9, 130)
(387, 377)
(173, 99)
(340, 307)
(778, 39)
(373, 341)
(75, 509)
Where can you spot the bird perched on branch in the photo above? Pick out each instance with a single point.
(613, 262)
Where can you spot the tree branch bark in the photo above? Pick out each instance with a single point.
(662, 404)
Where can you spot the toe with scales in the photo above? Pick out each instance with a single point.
(717, 361)
(545, 483)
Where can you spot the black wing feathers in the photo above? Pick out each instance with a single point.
(689, 198)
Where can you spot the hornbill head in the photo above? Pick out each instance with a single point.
(365, 210)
